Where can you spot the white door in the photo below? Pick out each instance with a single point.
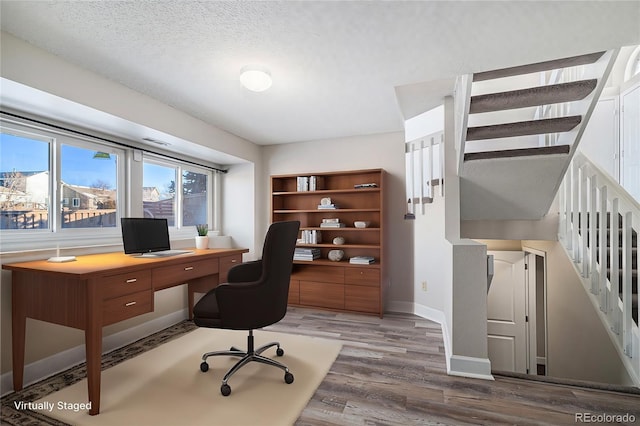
(630, 167)
(506, 301)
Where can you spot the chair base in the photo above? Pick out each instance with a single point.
(250, 355)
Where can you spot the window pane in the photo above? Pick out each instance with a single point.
(159, 192)
(88, 181)
(194, 203)
(24, 183)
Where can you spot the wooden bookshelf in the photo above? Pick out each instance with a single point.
(323, 283)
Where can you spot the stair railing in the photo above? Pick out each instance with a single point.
(591, 203)
(424, 166)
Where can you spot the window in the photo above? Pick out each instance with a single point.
(194, 204)
(89, 179)
(74, 187)
(170, 187)
(53, 181)
(25, 189)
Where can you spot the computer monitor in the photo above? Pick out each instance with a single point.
(144, 235)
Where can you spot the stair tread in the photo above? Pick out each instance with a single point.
(539, 66)
(522, 152)
(523, 128)
(532, 96)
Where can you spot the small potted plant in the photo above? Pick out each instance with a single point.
(202, 240)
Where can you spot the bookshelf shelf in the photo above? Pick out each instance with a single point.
(323, 283)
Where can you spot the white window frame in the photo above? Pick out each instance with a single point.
(56, 236)
(178, 230)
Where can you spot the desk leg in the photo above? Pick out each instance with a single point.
(93, 343)
(18, 328)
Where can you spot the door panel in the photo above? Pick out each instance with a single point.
(506, 313)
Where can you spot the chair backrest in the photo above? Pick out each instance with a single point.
(277, 263)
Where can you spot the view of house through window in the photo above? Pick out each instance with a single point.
(88, 187)
(24, 181)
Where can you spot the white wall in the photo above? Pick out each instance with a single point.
(360, 152)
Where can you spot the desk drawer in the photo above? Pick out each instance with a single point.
(228, 262)
(167, 276)
(121, 284)
(125, 307)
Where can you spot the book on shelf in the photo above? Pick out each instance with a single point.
(362, 260)
(365, 185)
(308, 183)
(310, 236)
(332, 225)
(327, 206)
(332, 222)
(301, 253)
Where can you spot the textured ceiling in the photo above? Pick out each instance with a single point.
(339, 68)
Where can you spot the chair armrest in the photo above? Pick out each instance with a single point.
(245, 272)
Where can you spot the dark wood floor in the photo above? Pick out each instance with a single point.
(392, 371)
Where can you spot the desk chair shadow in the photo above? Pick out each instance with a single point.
(255, 296)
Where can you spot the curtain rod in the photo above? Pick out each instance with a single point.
(111, 141)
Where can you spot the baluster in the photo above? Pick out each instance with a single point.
(602, 251)
(574, 213)
(593, 217)
(583, 256)
(568, 210)
(430, 171)
(626, 283)
(614, 276)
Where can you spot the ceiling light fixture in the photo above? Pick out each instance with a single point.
(256, 79)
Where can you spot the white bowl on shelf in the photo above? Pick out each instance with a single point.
(361, 223)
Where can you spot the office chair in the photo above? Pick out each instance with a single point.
(255, 296)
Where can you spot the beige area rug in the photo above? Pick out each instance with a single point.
(165, 386)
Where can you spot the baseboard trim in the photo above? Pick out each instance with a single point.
(465, 366)
(457, 365)
(61, 361)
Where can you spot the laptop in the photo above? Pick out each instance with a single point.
(147, 237)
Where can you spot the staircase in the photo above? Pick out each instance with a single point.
(612, 247)
(517, 129)
(604, 249)
(516, 134)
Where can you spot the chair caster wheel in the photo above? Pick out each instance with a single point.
(288, 377)
(225, 390)
(204, 367)
(279, 351)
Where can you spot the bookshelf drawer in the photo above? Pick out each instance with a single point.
(327, 274)
(361, 299)
(294, 292)
(325, 295)
(362, 276)
(128, 283)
